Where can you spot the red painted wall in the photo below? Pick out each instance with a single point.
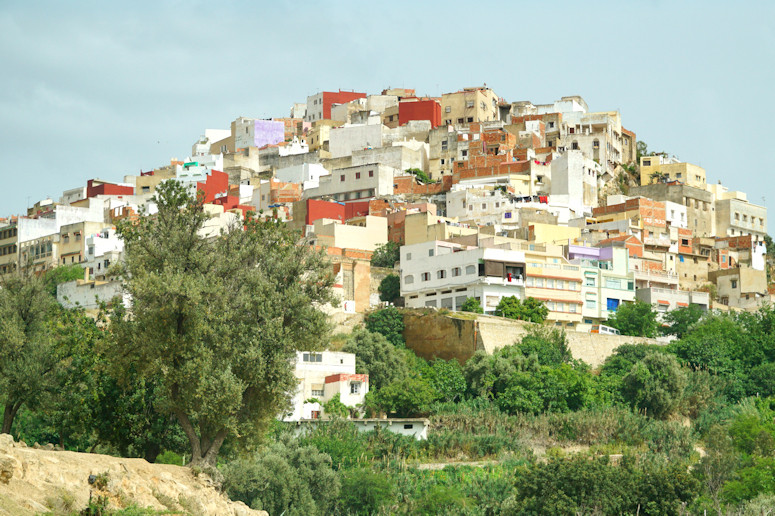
(107, 189)
(356, 209)
(419, 110)
(338, 97)
(216, 183)
(317, 209)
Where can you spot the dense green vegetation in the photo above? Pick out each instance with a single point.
(681, 428)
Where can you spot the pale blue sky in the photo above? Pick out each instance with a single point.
(90, 90)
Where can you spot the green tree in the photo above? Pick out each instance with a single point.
(390, 288)
(407, 397)
(420, 175)
(62, 274)
(447, 379)
(284, 478)
(681, 320)
(364, 491)
(335, 407)
(375, 356)
(655, 384)
(547, 344)
(530, 309)
(386, 255)
(217, 321)
(488, 375)
(27, 351)
(388, 322)
(472, 305)
(637, 319)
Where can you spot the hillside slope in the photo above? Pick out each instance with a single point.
(39, 480)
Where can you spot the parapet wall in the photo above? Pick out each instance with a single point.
(432, 335)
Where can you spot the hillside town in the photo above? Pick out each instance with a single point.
(488, 198)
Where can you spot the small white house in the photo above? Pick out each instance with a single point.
(321, 376)
(414, 427)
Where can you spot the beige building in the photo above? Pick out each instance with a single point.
(741, 287)
(358, 233)
(9, 248)
(72, 241)
(318, 137)
(469, 105)
(658, 169)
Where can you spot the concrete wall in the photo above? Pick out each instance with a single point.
(431, 335)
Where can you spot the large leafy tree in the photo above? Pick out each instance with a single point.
(636, 319)
(386, 255)
(531, 309)
(27, 351)
(216, 322)
(655, 384)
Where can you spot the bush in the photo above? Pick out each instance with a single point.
(472, 305)
(530, 309)
(364, 491)
(389, 288)
(388, 322)
(442, 500)
(547, 344)
(655, 385)
(386, 255)
(637, 319)
(446, 378)
(409, 397)
(285, 478)
(375, 356)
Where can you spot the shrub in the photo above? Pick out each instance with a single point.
(375, 356)
(389, 288)
(388, 322)
(637, 319)
(284, 478)
(530, 309)
(472, 305)
(655, 385)
(547, 344)
(364, 491)
(386, 255)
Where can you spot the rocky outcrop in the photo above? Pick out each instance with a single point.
(33, 481)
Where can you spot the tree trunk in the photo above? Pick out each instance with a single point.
(193, 439)
(9, 413)
(212, 452)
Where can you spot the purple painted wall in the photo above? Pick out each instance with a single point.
(590, 253)
(268, 132)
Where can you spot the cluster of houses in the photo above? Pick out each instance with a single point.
(487, 198)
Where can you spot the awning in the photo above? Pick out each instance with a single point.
(318, 386)
(663, 302)
(682, 304)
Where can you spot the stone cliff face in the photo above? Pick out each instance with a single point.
(434, 335)
(33, 481)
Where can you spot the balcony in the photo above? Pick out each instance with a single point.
(669, 299)
(513, 282)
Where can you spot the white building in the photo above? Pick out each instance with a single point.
(103, 250)
(321, 376)
(308, 174)
(443, 275)
(358, 182)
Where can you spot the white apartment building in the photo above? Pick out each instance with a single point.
(352, 183)
(443, 275)
(321, 376)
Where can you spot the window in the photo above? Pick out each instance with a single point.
(442, 161)
(590, 281)
(590, 304)
(551, 125)
(426, 276)
(312, 357)
(596, 144)
(470, 119)
(574, 145)
(456, 272)
(448, 109)
(550, 283)
(357, 175)
(469, 103)
(464, 153)
(318, 392)
(408, 426)
(341, 178)
(613, 283)
(470, 269)
(539, 282)
(371, 173)
(460, 120)
(734, 283)
(146, 189)
(441, 274)
(408, 279)
(66, 239)
(430, 252)
(484, 206)
(355, 387)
